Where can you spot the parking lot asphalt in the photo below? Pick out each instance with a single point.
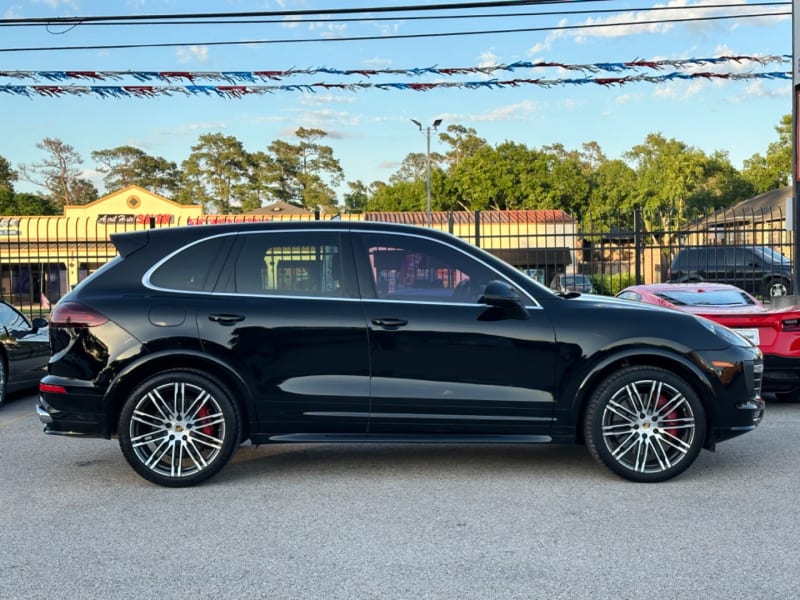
(398, 521)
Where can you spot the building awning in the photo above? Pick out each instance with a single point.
(533, 257)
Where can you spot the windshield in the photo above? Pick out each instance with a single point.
(771, 255)
(575, 279)
(707, 298)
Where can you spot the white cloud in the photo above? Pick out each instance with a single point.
(377, 63)
(322, 99)
(324, 118)
(627, 98)
(758, 89)
(188, 53)
(71, 4)
(698, 17)
(519, 110)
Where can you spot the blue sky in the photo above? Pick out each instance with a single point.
(370, 130)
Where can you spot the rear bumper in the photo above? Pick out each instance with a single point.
(781, 375)
(78, 411)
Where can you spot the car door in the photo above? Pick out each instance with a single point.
(286, 310)
(442, 361)
(27, 351)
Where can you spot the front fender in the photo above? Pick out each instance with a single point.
(580, 385)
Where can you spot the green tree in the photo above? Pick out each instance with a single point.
(355, 201)
(774, 170)
(612, 184)
(26, 204)
(127, 165)
(215, 172)
(668, 172)
(306, 172)
(260, 186)
(722, 186)
(513, 176)
(413, 168)
(59, 174)
(400, 196)
(7, 176)
(463, 142)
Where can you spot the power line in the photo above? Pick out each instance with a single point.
(289, 13)
(261, 21)
(399, 36)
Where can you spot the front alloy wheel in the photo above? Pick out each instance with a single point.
(178, 428)
(645, 424)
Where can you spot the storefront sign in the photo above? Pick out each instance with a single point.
(128, 219)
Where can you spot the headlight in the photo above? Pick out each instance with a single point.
(730, 336)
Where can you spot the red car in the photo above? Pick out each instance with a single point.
(775, 330)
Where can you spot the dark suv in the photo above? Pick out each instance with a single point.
(195, 339)
(759, 270)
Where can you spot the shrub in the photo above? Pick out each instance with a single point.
(610, 285)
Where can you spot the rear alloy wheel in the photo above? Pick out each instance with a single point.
(179, 428)
(645, 424)
(776, 287)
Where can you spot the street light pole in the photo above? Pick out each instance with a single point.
(427, 131)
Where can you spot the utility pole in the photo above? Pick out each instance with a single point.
(427, 131)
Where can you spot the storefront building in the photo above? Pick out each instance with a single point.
(43, 257)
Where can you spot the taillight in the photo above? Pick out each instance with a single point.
(75, 314)
(791, 325)
(52, 389)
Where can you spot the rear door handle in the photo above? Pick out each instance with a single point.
(389, 323)
(226, 319)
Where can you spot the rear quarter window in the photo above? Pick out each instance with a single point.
(191, 268)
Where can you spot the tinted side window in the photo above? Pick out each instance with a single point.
(410, 268)
(743, 258)
(630, 296)
(190, 269)
(291, 263)
(12, 319)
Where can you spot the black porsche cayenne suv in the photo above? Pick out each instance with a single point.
(195, 339)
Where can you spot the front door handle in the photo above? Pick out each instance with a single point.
(389, 323)
(226, 319)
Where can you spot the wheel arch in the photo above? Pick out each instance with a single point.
(152, 364)
(681, 366)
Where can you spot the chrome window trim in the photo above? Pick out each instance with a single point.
(149, 273)
(146, 278)
(467, 254)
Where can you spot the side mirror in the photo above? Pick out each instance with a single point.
(501, 295)
(38, 323)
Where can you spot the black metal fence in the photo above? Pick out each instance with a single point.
(41, 258)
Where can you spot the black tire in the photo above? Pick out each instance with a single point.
(645, 424)
(3, 380)
(179, 428)
(776, 286)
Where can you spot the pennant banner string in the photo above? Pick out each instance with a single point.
(240, 91)
(255, 77)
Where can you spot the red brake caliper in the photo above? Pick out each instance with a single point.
(669, 416)
(202, 414)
